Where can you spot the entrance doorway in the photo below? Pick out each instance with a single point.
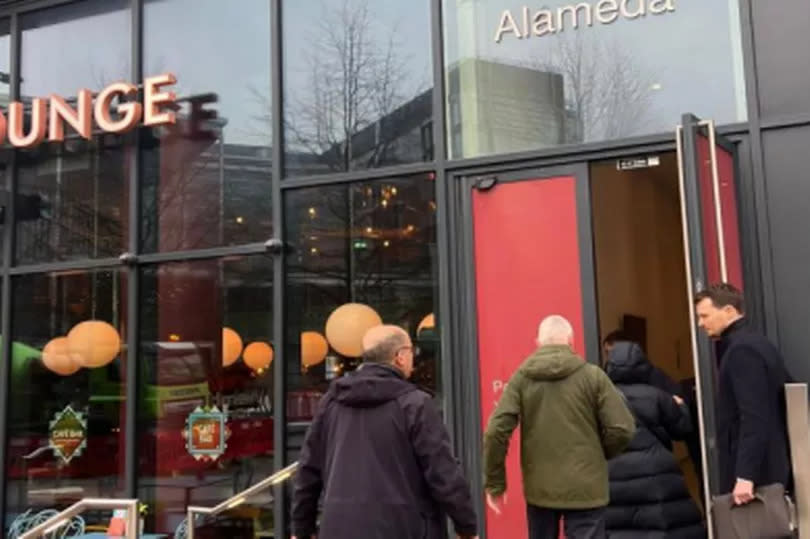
(611, 245)
(640, 274)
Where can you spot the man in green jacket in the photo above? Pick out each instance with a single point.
(572, 420)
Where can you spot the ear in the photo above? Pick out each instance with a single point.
(571, 341)
(730, 311)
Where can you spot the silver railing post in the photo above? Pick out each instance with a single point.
(63, 519)
(238, 499)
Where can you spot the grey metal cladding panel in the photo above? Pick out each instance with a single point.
(782, 42)
(788, 183)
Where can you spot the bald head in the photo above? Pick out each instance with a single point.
(386, 344)
(379, 334)
(555, 330)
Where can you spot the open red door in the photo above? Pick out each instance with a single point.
(528, 256)
(708, 164)
(707, 169)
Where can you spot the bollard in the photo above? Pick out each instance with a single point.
(798, 423)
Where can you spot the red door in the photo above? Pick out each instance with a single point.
(715, 177)
(528, 259)
(707, 168)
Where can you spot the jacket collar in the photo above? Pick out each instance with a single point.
(379, 369)
(551, 349)
(386, 371)
(735, 327)
(722, 344)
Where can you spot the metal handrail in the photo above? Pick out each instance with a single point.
(238, 499)
(62, 519)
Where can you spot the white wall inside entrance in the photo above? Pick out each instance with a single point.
(639, 258)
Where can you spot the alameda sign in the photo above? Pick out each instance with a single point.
(48, 116)
(546, 21)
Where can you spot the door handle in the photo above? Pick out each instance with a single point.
(485, 183)
(718, 206)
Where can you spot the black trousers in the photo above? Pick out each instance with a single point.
(585, 524)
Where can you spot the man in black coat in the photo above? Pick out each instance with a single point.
(380, 454)
(751, 427)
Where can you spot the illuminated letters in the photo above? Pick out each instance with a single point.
(48, 116)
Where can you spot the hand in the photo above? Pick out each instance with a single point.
(494, 502)
(678, 400)
(743, 492)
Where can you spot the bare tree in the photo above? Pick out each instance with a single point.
(354, 79)
(608, 93)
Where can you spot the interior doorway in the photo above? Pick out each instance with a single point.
(641, 281)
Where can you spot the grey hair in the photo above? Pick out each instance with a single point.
(554, 329)
(386, 349)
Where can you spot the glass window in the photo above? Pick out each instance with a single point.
(5, 61)
(523, 77)
(5, 96)
(357, 81)
(207, 180)
(205, 415)
(73, 199)
(373, 244)
(66, 400)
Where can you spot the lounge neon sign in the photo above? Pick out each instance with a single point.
(48, 116)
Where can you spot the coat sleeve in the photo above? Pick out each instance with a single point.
(441, 470)
(675, 417)
(502, 423)
(748, 375)
(617, 426)
(308, 481)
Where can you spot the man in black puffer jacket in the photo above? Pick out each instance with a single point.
(648, 494)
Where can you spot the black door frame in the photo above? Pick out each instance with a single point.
(464, 390)
(687, 135)
(462, 387)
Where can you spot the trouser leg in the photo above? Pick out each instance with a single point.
(543, 523)
(588, 524)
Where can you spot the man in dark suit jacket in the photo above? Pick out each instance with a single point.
(751, 427)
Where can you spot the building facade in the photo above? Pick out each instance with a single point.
(177, 296)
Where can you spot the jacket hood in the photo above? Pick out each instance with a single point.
(371, 385)
(552, 363)
(627, 364)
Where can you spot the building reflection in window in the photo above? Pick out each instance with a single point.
(73, 201)
(206, 181)
(206, 348)
(66, 404)
(370, 243)
(357, 85)
(574, 82)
